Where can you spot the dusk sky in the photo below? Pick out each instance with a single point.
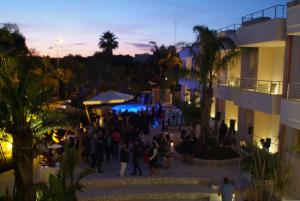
(79, 23)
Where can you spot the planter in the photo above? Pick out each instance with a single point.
(235, 162)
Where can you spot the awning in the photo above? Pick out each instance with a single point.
(109, 97)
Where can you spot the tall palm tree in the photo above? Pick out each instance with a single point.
(166, 59)
(108, 42)
(24, 94)
(214, 54)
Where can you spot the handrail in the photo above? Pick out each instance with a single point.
(274, 12)
(251, 84)
(232, 27)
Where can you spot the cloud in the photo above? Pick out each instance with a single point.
(75, 44)
(142, 46)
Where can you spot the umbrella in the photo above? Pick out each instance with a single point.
(109, 97)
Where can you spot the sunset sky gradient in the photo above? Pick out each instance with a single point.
(79, 23)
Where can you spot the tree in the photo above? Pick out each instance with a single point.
(23, 114)
(108, 42)
(167, 60)
(214, 54)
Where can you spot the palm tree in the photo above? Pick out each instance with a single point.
(108, 42)
(214, 54)
(24, 95)
(166, 59)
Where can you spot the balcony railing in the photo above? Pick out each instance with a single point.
(274, 12)
(232, 27)
(293, 3)
(294, 91)
(249, 84)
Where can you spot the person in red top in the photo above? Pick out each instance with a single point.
(116, 137)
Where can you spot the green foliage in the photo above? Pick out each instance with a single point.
(212, 53)
(190, 112)
(271, 174)
(64, 185)
(211, 143)
(166, 63)
(261, 164)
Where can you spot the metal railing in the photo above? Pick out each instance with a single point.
(293, 91)
(274, 12)
(250, 84)
(293, 3)
(232, 27)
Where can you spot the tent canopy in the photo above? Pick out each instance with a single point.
(109, 97)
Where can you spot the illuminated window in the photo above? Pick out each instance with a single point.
(189, 63)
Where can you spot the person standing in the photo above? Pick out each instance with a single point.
(153, 158)
(222, 132)
(86, 144)
(94, 150)
(116, 136)
(108, 146)
(136, 155)
(100, 152)
(226, 190)
(167, 152)
(124, 158)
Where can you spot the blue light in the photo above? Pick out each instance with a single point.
(130, 108)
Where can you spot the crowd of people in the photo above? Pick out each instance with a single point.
(120, 135)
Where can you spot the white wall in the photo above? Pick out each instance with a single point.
(257, 101)
(231, 112)
(295, 60)
(293, 20)
(289, 113)
(267, 31)
(270, 63)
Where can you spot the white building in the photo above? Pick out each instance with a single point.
(262, 91)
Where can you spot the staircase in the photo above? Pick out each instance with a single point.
(147, 189)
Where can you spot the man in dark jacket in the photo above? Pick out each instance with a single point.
(100, 152)
(136, 154)
(222, 132)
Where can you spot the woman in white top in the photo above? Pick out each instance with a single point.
(153, 158)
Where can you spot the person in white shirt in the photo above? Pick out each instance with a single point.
(226, 190)
(153, 158)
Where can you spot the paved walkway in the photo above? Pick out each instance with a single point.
(213, 176)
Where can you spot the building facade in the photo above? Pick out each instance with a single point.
(189, 87)
(261, 92)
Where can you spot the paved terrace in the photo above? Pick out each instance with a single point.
(180, 182)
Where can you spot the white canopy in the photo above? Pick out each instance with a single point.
(109, 97)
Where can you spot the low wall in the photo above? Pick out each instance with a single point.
(235, 162)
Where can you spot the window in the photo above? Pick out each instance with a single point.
(189, 63)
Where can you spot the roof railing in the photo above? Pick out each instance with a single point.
(232, 27)
(293, 3)
(274, 12)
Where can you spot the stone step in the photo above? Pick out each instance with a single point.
(147, 188)
(108, 183)
(152, 197)
(148, 192)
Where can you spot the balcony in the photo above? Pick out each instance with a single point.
(293, 21)
(264, 28)
(259, 95)
(290, 107)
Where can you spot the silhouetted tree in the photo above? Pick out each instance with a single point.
(108, 42)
